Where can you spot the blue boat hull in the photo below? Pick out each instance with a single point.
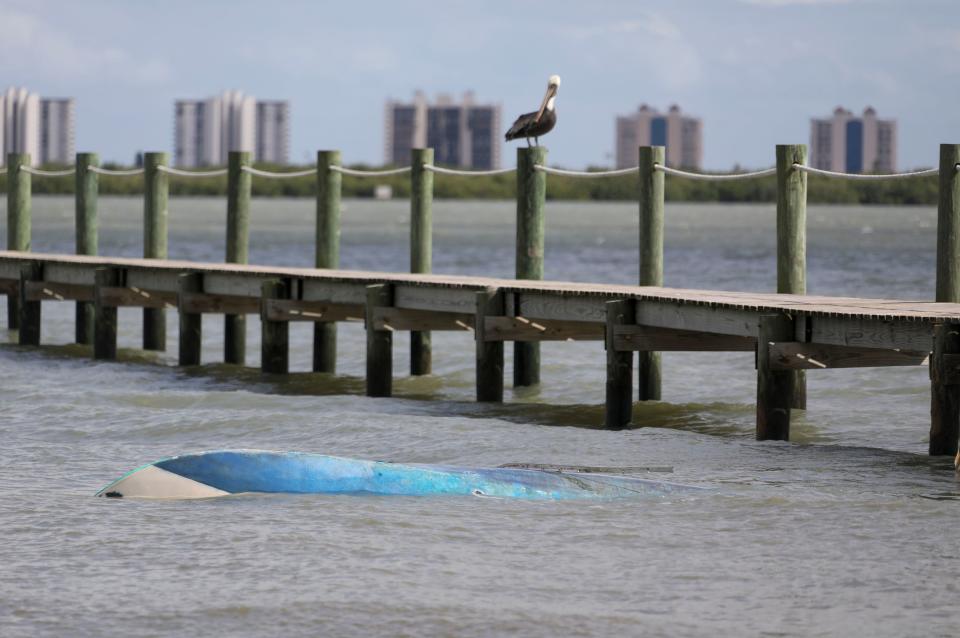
(219, 473)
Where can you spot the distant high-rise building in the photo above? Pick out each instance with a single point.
(206, 130)
(681, 134)
(466, 135)
(43, 127)
(273, 131)
(848, 144)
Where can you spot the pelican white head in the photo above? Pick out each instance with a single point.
(547, 105)
(554, 81)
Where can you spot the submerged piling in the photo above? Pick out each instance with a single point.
(421, 247)
(238, 242)
(651, 195)
(329, 184)
(155, 196)
(87, 190)
(18, 219)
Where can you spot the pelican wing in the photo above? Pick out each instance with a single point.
(519, 128)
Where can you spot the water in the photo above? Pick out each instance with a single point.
(849, 529)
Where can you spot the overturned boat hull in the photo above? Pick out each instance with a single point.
(223, 472)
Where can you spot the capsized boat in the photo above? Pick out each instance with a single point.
(223, 472)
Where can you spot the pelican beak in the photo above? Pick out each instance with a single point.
(551, 91)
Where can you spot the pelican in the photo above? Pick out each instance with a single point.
(540, 122)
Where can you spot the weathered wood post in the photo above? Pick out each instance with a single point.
(619, 399)
(104, 316)
(792, 238)
(945, 389)
(379, 343)
(155, 196)
(85, 195)
(191, 323)
(275, 339)
(651, 185)
(945, 392)
(329, 183)
(238, 242)
(29, 334)
(421, 247)
(531, 197)
(489, 375)
(18, 219)
(774, 387)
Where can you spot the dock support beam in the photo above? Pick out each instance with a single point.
(379, 343)
(329, 185)
(421, 247)
(238, 242)
(489, 375)
(945, 390)
(774, 387)
(275, 335)
(104, 316)
(792, 238)
(18, 220)
(155, 196)
(86, 192)
(619, 400)
(29, 310)
(191, 324)
(531, 197)
(651, 256)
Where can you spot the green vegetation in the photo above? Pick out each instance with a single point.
(821, 190)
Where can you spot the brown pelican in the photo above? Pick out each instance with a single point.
(540, 122)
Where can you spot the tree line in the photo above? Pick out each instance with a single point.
(913, 191)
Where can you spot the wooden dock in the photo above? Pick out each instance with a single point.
(787, 332)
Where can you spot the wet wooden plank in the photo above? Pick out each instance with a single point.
(50, 291)
(872, 333)
(391, 318)
(647, 338)
(316, 311)
(198, 303)
(815, 356)
(526, 329)
(114, 297)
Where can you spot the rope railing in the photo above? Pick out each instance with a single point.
(566, 173)
(116, 173)
(181, 173)
(358, 173)
(861, 176)
(452, 171)
(271, 175)
(41, 173)
(714, 177)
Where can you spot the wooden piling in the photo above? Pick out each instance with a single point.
(948, 226)
(29, 319)
(619, 399)
(86, 191)
(379, 343)
(104, 316)
(489, 370)
(774, 387)
(275, 335)
(651, 195)
(191, 323)
(18, 219)
(238, 242)
(329, 184)
(155, 195)
(421, 247)
(792, 238)
(945, 390)
(531, 198)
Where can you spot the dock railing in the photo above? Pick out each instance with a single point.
(791, 170)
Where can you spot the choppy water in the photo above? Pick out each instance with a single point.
(848, 530)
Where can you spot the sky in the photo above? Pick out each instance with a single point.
(755, 71)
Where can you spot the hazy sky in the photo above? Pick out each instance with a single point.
(756, 71)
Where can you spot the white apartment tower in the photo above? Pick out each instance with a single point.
(206, 130)
(680, 134)
(465, 135)
(845, 143)
(43, 127)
